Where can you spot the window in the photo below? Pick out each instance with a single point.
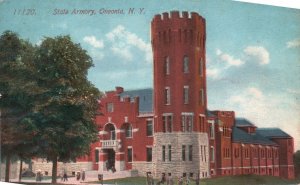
(211, 129)
(183, 153)
(110, 107)
(202, 123)
(96, 156)
(186, 94)
(170, 152)
(204, 147)
(167, 122)
(167, 65)
(186, 64)
(163, 153)
(149, 154)
(149, 127)
(212, 154)
(190, 152)
(129, 154)
(167, 96)
(201, 97)
(113, 135)
(128, 132)
(201, 67)
(187, 122)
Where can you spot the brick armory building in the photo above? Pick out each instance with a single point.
(169, 129)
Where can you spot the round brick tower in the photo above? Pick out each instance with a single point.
(180, 143)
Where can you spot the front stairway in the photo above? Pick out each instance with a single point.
(93, 175)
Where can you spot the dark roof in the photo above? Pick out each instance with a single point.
(242, 122)
(239, 135)
(146, 98)
(210, 113)
(272, 133)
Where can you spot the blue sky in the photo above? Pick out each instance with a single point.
(253, 58)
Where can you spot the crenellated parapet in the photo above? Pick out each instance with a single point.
(175, 27)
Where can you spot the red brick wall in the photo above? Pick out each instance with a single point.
(175, 37)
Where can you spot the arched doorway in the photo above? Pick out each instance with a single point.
(111, 131)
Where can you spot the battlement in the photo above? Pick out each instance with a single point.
(176, 15)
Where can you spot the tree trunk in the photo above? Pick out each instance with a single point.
(20, 172)
(7, 168)
(54, 170)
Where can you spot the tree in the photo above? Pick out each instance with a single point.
(65, 104)
(16, 57)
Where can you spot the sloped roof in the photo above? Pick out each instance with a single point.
(239, 135)
(210, 113)
(272, 133)
(242, 122)
(146, 98)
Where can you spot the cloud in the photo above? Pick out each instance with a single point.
(124, 43)
(259, 53)
(91, 40)
(266, 110)
(293, 43)
(212, 73)
(230, 60)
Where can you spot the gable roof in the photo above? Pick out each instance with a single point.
(239, 135)
(242, 122)
(272, 133)
(146, 98)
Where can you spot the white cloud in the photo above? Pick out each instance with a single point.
(91, 40)
(293, 91)
(230, 60)
(259, 53)
(267, 110)
(124, 42)
(123, 52)
(293, 43)
(212, 73)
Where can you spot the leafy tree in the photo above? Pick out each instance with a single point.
(65, 103)
(16, 57)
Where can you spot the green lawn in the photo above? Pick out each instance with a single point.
(236, 180)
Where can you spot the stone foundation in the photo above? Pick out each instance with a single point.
(200, 160)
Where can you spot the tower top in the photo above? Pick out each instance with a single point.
(176, 15)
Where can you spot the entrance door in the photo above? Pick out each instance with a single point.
(110, 164)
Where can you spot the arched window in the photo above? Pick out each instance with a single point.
(128, 131)
(185, 64)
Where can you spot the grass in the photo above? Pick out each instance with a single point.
(229, 180)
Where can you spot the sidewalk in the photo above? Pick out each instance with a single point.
(71, 180)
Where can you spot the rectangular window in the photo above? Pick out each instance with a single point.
(201, 67)
(170, 152)
(163, 153)
(149, 127)
(212, 154)
(149, 154)
(183, 153)
(187, 122)
(110, 107)
(212, 129)
(167, 122)
(96, 156)
(129, 154)
(167, 96)
(204, 147)
(190, 152)
(167, 66)
(186, 94)
(202, 123)
(201, 97)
